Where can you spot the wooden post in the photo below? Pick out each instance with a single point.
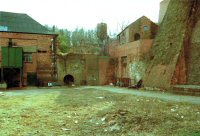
(20, 84)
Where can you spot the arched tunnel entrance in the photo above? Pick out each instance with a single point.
(68, 80)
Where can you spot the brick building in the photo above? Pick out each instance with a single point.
(37, 62)
(130, 49)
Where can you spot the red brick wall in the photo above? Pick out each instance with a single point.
(139, 28)
(39, 60)
(90, 68)
(106, 71)
(134, 48)
(143, 26)
(134, 52)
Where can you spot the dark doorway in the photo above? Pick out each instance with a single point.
(136, 37)
(12, 77)
(31, 79)
(68, 80)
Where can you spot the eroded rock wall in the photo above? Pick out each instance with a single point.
(173, 57)
(194, 52)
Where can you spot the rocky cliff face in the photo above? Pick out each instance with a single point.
(194, 48)
(174, 56)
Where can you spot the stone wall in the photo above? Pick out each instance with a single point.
(72, 65)
(87, 69)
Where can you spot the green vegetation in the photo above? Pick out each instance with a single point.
(86, 112)
(78, 37)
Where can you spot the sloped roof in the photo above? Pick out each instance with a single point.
(18, 22)
(137, 21)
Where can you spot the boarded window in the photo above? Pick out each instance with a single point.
(28, 57)
(29, 49)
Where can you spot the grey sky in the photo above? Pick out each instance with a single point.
(84, 13)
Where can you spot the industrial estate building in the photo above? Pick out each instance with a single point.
(28, 55)
(124, 60)
(162, 56)
(27, 51)
(131, 48)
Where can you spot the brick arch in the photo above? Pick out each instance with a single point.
(68, 79)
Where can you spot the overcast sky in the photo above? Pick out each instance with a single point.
(84, 13)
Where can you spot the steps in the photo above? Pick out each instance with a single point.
(193, 90)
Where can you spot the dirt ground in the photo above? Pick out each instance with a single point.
(90, 111)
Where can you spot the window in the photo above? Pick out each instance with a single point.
(3, 28)
(28, 57)
(146, 28)
(124, 60)
(40, 51)
(137, 37)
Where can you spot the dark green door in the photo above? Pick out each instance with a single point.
(12, 57)
(31, 79)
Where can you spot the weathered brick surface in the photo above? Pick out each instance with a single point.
(40, 60)
(133, 45)
(87, 69)
(106, 71)
(71, 65)
(144, 27)
(135, 65)
(136, 48)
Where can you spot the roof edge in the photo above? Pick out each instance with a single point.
(28, 33)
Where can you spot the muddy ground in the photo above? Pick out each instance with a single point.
(88, 111)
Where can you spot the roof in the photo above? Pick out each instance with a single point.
(20, 23)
